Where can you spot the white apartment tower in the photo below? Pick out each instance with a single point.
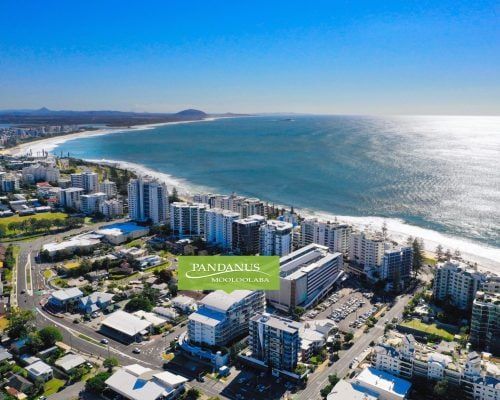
(148, 200)
(457, 282)
(275, 238)
(111, 208)
(70, 197)
(366, 249)
(188, 219)
(333, 235)
(87, 180)
(91, 203)
(109, 188)
(219, 227)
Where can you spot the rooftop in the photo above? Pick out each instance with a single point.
(207, 316)
(39, 368)
(67, 294)
(222, 301)
(126, 323)
(138, 383)
(252, 219)
(344, 390)
(76, 241)
(384, 381)
(121, 228)
(70, 361)
(97, 297)
(282, 324)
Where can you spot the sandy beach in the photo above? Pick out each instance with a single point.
(487, 258)
(50, 143)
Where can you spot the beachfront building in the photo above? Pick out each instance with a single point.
(250, 206)
(366, 249)
(111, 208)
(147, 200)
(246, 235)
(406, 358)
(485, 322)
(275, 238)
(274, 341)
(109, 188)
(306, 275)
(71, 197)
(396, 267)
(86, 180)
(219, 227)
(188, 219)
(91, 203)
(333, 235)
(244, 206)
(457, 283)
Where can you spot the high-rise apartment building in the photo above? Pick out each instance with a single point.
(275, 238)
(366, 249)
(86, 180)
(275, 341)
(222, 317)
(397, 266)
(246, 235)
(147, 200)
(458, 283)
(188, 219)
(71, 197)
(109, 188)
(219, 227)
(91, 203)
(485, 322)
(333, 235)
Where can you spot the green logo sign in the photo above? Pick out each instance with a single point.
(229, 273)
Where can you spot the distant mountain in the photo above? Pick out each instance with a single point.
(192, 113)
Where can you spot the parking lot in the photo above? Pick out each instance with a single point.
(251, 384)
(348, 308)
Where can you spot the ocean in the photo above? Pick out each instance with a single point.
(437, 173)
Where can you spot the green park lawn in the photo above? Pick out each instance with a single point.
(4, 222)
(429, 328)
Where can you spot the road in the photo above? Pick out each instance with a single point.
(341, 367)
(32, 288)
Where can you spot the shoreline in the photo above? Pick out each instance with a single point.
(50, 143)
(398, 230)
(487, 257)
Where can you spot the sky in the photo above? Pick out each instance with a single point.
(325, 57)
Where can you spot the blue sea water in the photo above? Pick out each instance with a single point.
(435, 172)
